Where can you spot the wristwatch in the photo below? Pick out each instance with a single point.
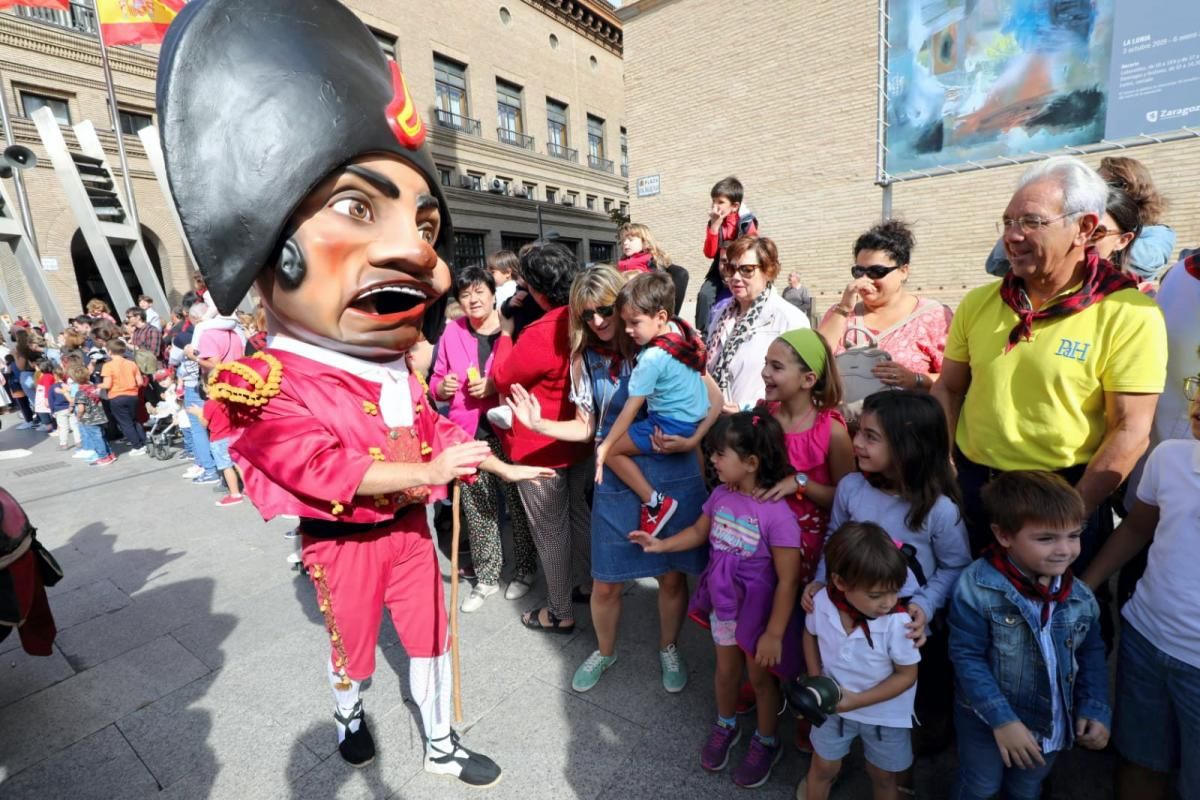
(801, 483)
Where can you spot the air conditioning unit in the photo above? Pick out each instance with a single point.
(465, 181)
(568, 201)
(497, 187)
(520, 193)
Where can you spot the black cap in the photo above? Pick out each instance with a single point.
(258, 102)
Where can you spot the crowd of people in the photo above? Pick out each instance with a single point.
(906, 511)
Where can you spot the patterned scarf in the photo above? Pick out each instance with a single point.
(742, 330)
(1035, 591)
(615, 360)
(858, 618)
(1100, 279)
(686, 347)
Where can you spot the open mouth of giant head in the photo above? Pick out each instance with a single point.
(390, 299)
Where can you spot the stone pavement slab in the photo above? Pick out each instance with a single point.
(101, 766)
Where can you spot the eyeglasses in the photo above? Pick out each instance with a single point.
(874, 272)
(1191, 387)
(745, 270)
(604, 311)
(1027, 224)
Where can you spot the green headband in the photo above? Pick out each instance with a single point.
(808, 346)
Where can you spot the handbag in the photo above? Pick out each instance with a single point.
(857, 362)
(147, 362)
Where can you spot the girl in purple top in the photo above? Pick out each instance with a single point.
(747, 594)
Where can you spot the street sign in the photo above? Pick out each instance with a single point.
(648, 186)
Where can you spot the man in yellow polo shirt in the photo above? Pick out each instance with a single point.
(1059, 366)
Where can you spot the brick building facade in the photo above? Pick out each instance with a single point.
(783, 95)
(523, 100)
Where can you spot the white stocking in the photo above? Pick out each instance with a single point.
(344, 699)
(429, 680)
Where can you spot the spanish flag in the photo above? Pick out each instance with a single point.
(57, 5)
(135, 21)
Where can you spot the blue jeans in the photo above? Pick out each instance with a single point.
(93, 439)
(981, 772)
(187, 440)
(200, 446)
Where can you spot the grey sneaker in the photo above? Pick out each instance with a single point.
(481, 592)
(674, 673)
(589, 672)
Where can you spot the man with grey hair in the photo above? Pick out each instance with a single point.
(1059, 366)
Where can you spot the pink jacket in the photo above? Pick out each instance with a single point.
(458, 350)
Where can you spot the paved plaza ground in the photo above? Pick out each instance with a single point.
(189, 665)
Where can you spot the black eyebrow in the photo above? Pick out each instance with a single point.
(427, 201)
(376, 179)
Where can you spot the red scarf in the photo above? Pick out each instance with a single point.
(639, 262)
(1028, 587)
(1100, 279)
(1192, 265)
(615, 360)
(857, 618)
(686, 347)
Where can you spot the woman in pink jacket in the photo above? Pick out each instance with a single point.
(462, 377)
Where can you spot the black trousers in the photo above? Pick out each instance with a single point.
(124, 409)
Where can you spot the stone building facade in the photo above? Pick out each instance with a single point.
(782, 94)
(523, 100)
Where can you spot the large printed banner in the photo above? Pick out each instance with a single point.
(972, 80)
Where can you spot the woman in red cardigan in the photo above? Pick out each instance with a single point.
(540, 361)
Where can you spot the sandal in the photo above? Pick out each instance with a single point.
(533, 620)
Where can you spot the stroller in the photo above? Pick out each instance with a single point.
(163, 437)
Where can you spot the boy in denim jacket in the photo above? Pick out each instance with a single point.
(1025, 643)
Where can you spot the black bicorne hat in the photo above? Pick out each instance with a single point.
(258, 102)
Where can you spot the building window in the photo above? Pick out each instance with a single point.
(551, 195)
(595, 137)
(591, 202)
(608, 205)
(600, 252)
(572, 199)
(515, 241)
(450, 84)
(31, 102)
(445, 174)
(570, 244)
(133, 121)
(530, 190)
(469, 248)
(556, 123)
(624, 153)
(508, 113)
(475, 180)
(386, 42)
(624, 209)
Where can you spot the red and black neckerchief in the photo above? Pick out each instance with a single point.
(685, 347)
(1028, 587)
(1192, 265)
(1100, 279)
(858, 618)
(615, 360)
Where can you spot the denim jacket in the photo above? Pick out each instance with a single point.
(1000, 672)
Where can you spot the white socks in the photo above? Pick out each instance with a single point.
(429, 680)
(344, 699)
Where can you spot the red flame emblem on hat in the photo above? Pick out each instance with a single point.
(402, 115)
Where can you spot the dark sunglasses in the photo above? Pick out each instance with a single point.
(604, 311)
(745, 270)
(874, 272)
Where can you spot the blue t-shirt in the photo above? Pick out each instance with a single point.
(671, 388)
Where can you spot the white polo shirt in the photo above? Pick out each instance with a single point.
(1162, 607)
(857, 666)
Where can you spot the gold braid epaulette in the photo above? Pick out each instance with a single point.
(260, 389)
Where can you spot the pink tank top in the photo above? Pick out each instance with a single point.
(808, 452)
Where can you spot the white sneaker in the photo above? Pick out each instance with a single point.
(500, 417)
(88, 454)
(519, 586)
(481, 592)
(193, 472)
(138, 451)
(24, 426)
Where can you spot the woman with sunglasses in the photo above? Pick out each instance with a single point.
(601, 362)
(744, 325)
(877, 309)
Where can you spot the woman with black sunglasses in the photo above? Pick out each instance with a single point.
(877, 309)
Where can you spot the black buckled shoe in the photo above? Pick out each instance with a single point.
(358, 748)
(473, 769)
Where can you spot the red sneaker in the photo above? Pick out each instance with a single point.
(104, 462)
(229, 500)
(653, 521)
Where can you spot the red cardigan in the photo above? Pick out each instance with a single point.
(541, 362)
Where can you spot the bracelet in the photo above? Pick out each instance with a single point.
(920, 380)
(843, 310)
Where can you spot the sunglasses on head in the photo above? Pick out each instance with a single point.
(604, 311)
(874, 272)
(745, 270)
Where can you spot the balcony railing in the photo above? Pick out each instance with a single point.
(559, 151)
(601, 164)
(514, 138)
(457, 122)
(79, 17)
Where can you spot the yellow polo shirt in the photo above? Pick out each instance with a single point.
(1041, 405)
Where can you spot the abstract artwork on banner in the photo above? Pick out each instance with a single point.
(970, 80)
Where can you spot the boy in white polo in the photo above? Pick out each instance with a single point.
(858, 636)
(1158, 663)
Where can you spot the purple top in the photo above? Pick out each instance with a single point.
(739, 581)
(458, 350)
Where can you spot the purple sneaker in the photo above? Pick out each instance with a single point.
(715, 754)
(756, 766)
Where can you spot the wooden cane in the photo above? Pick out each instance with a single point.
(454, 667)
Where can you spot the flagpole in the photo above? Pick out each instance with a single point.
(116, 120)
(18, 182)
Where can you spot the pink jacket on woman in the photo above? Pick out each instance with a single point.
(458, 350)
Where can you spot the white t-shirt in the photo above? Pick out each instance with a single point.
(504, 292)
(1162, 607)
(858, 666)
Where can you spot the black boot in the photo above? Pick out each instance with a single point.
(471, 768)
(358, 748)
